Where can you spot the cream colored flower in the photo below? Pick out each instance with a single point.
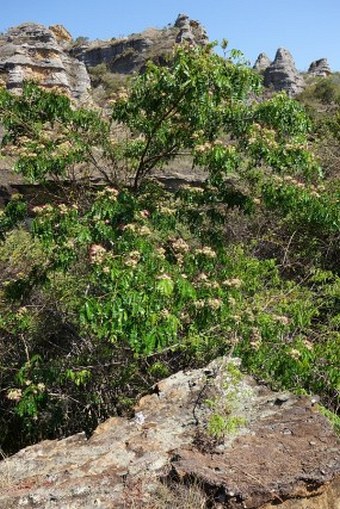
(308, 344)
(214, 303)
(202, 277)
(164, 277)
(97, 253)
(255, 344)
(130, 227)
(14, 394)
(284, 320)
(233, 282)
(180, 245)
(160, 252)
(231, 301)
(295, 354)
(63, 209)
(133, 259)
(199, 304)
(206, 251)
(145, 230)
(165, 313)
(167, 211)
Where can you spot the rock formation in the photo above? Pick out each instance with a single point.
(283, 75)
(129, 54)
(34, 52)
(320, 68)
(261, 63)
(190, 31)
(62, 35)
(51, 57)
(245, 446)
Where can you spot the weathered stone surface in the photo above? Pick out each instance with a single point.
(129, 54)
(261, 63)
(190, 31)
(61, 33)
(283, 453)
(282, 74)
(34, 52)
(320, 68)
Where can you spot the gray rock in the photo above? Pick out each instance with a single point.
(129, 54)
(123, 56)
(280, 453)
(261, 63)
(283, 75)
(190, 31)
(320, 68)
(33, 52)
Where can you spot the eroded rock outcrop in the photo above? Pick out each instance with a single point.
(320, 68)
(283, 75)
(33, 52)
(129, 54)
(190, 31)
(246, 446)
(261, 63)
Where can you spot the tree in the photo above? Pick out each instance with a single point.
(100, 292)
(200, 103)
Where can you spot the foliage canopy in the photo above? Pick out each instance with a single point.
(115, 285)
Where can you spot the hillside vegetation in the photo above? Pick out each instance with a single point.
(113, 287)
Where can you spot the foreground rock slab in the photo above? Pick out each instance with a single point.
(244, 445)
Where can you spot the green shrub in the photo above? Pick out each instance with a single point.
(116, 287)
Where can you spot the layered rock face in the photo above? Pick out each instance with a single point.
(34, 52)
(320, 68)
(279, 452)
(283, 75)
(129, 54)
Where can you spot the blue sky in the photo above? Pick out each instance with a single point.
(310, 29)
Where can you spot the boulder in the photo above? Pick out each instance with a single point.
(320, 68)
(242, 444)
(261, 63)
(283, 75)
(33, 52)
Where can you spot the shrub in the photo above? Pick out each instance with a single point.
(114, 286)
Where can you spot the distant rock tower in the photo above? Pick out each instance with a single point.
(262, 63)
(320, 68)
(190, 31)
(283, 75)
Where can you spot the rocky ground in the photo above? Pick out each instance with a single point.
(242, 444)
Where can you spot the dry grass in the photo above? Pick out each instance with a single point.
(167, 496)
(5, 476)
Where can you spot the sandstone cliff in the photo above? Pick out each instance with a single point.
(51, 57)
(34, 52)
(129, 54)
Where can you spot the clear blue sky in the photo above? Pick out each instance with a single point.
(310, 29)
